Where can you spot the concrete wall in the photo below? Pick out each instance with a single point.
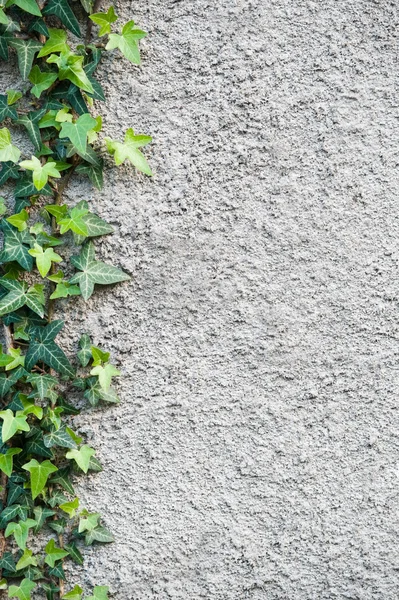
(255, 453)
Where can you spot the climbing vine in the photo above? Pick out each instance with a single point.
(48, 254)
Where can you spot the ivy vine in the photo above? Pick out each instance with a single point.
(42, 524)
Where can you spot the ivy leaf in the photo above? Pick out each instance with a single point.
(44, 258)
(6, 460)
(104, 20)
(71, 67)
(43, 383)
(127, 42)
(62, 479)
(39, 473)
(15, 247)
(13, 96)
(94, 173)
(105, 375)
(100, 592)
(53, 553)
(88, 521)
(84, 354)
(74, 221)
(75, 594)
(23, 592)
(26, 560)
(129, 150)
(78, 132)
(26, 50)
(41, 81)
(19, 294)
(8, 171)
(20, 531)
(41, 173)
(99, 534)
(70, 507)
(74, 553)
(60, 438)
(41, 515)
(8, 152)
(64, 290)
(29, 6)
(6, 111)
(19, 220)
(62, 10)
(94, 272)
(7, 562)
(17, 359)
(57, 42)
(43, 348)
(12, 423)
(81, 456)
(3, 17)
(40, 26)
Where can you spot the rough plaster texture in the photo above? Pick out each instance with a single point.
(255, 453)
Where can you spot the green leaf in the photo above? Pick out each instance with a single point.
(41, 173)
(74, 553)
(31, 123)
(13, 96)
(17, 358)
(81, 456)
(15, 247)
(94, 272)
(70, 507)
(104, 20)
(41, 81)
(26, 50)
(127, 42)
(63, 11)
(105, 375)
(55, 43)
(71, 67)
(43, 383)
(62, 478)
(60, 438)
(74, 221)
(19, 220)
(88, 521)
(39, 473)
(6, 460)
(20, 531)
(41, 515)
(8, 171)
(64, 290)
(6, 111)
(8, 152)
(129, 150)
(26, 560)
(84, 354)
(43, 348)
(53, 553)
(100, 592)
(44, 258)
(7, 562)
(75, 594)
(99, 534)
(94, 173)
(78, 132)
(23, 592)
(29, 6)
(12, 423)
(3, 17)
(18, 296)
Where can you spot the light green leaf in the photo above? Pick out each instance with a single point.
(84, 354)
(74, 221)
(29, 6)
(64, 290)
(8, 152)
(19, 220)
(88, 521)
(70, 507)
(6, 460)
(55, 43)
(3, 18)
(77, 132)
(17, 359)
(81, 456)
(44, 258)
(20, 531)
(100, 592)
(75, 594)
(129, 150)
(99, 356)
(99, 534)
(127, 42)
(13, 96)
(41, 173)
(53, 553)
(71, 67)
(23, 592)
(104, 20)
(12, 423)
(41, 81)
(26, 560)
(39, 473)
(105, 375)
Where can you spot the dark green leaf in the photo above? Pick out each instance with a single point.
(63, 11)
(26, 50)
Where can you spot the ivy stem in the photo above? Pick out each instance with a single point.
(59, 191)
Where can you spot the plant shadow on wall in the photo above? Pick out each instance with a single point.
(40, 455)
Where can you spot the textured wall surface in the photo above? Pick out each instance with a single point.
(255, 452)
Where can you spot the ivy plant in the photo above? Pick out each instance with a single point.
(42, 524)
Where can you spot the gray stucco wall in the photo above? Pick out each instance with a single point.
(255, 453)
